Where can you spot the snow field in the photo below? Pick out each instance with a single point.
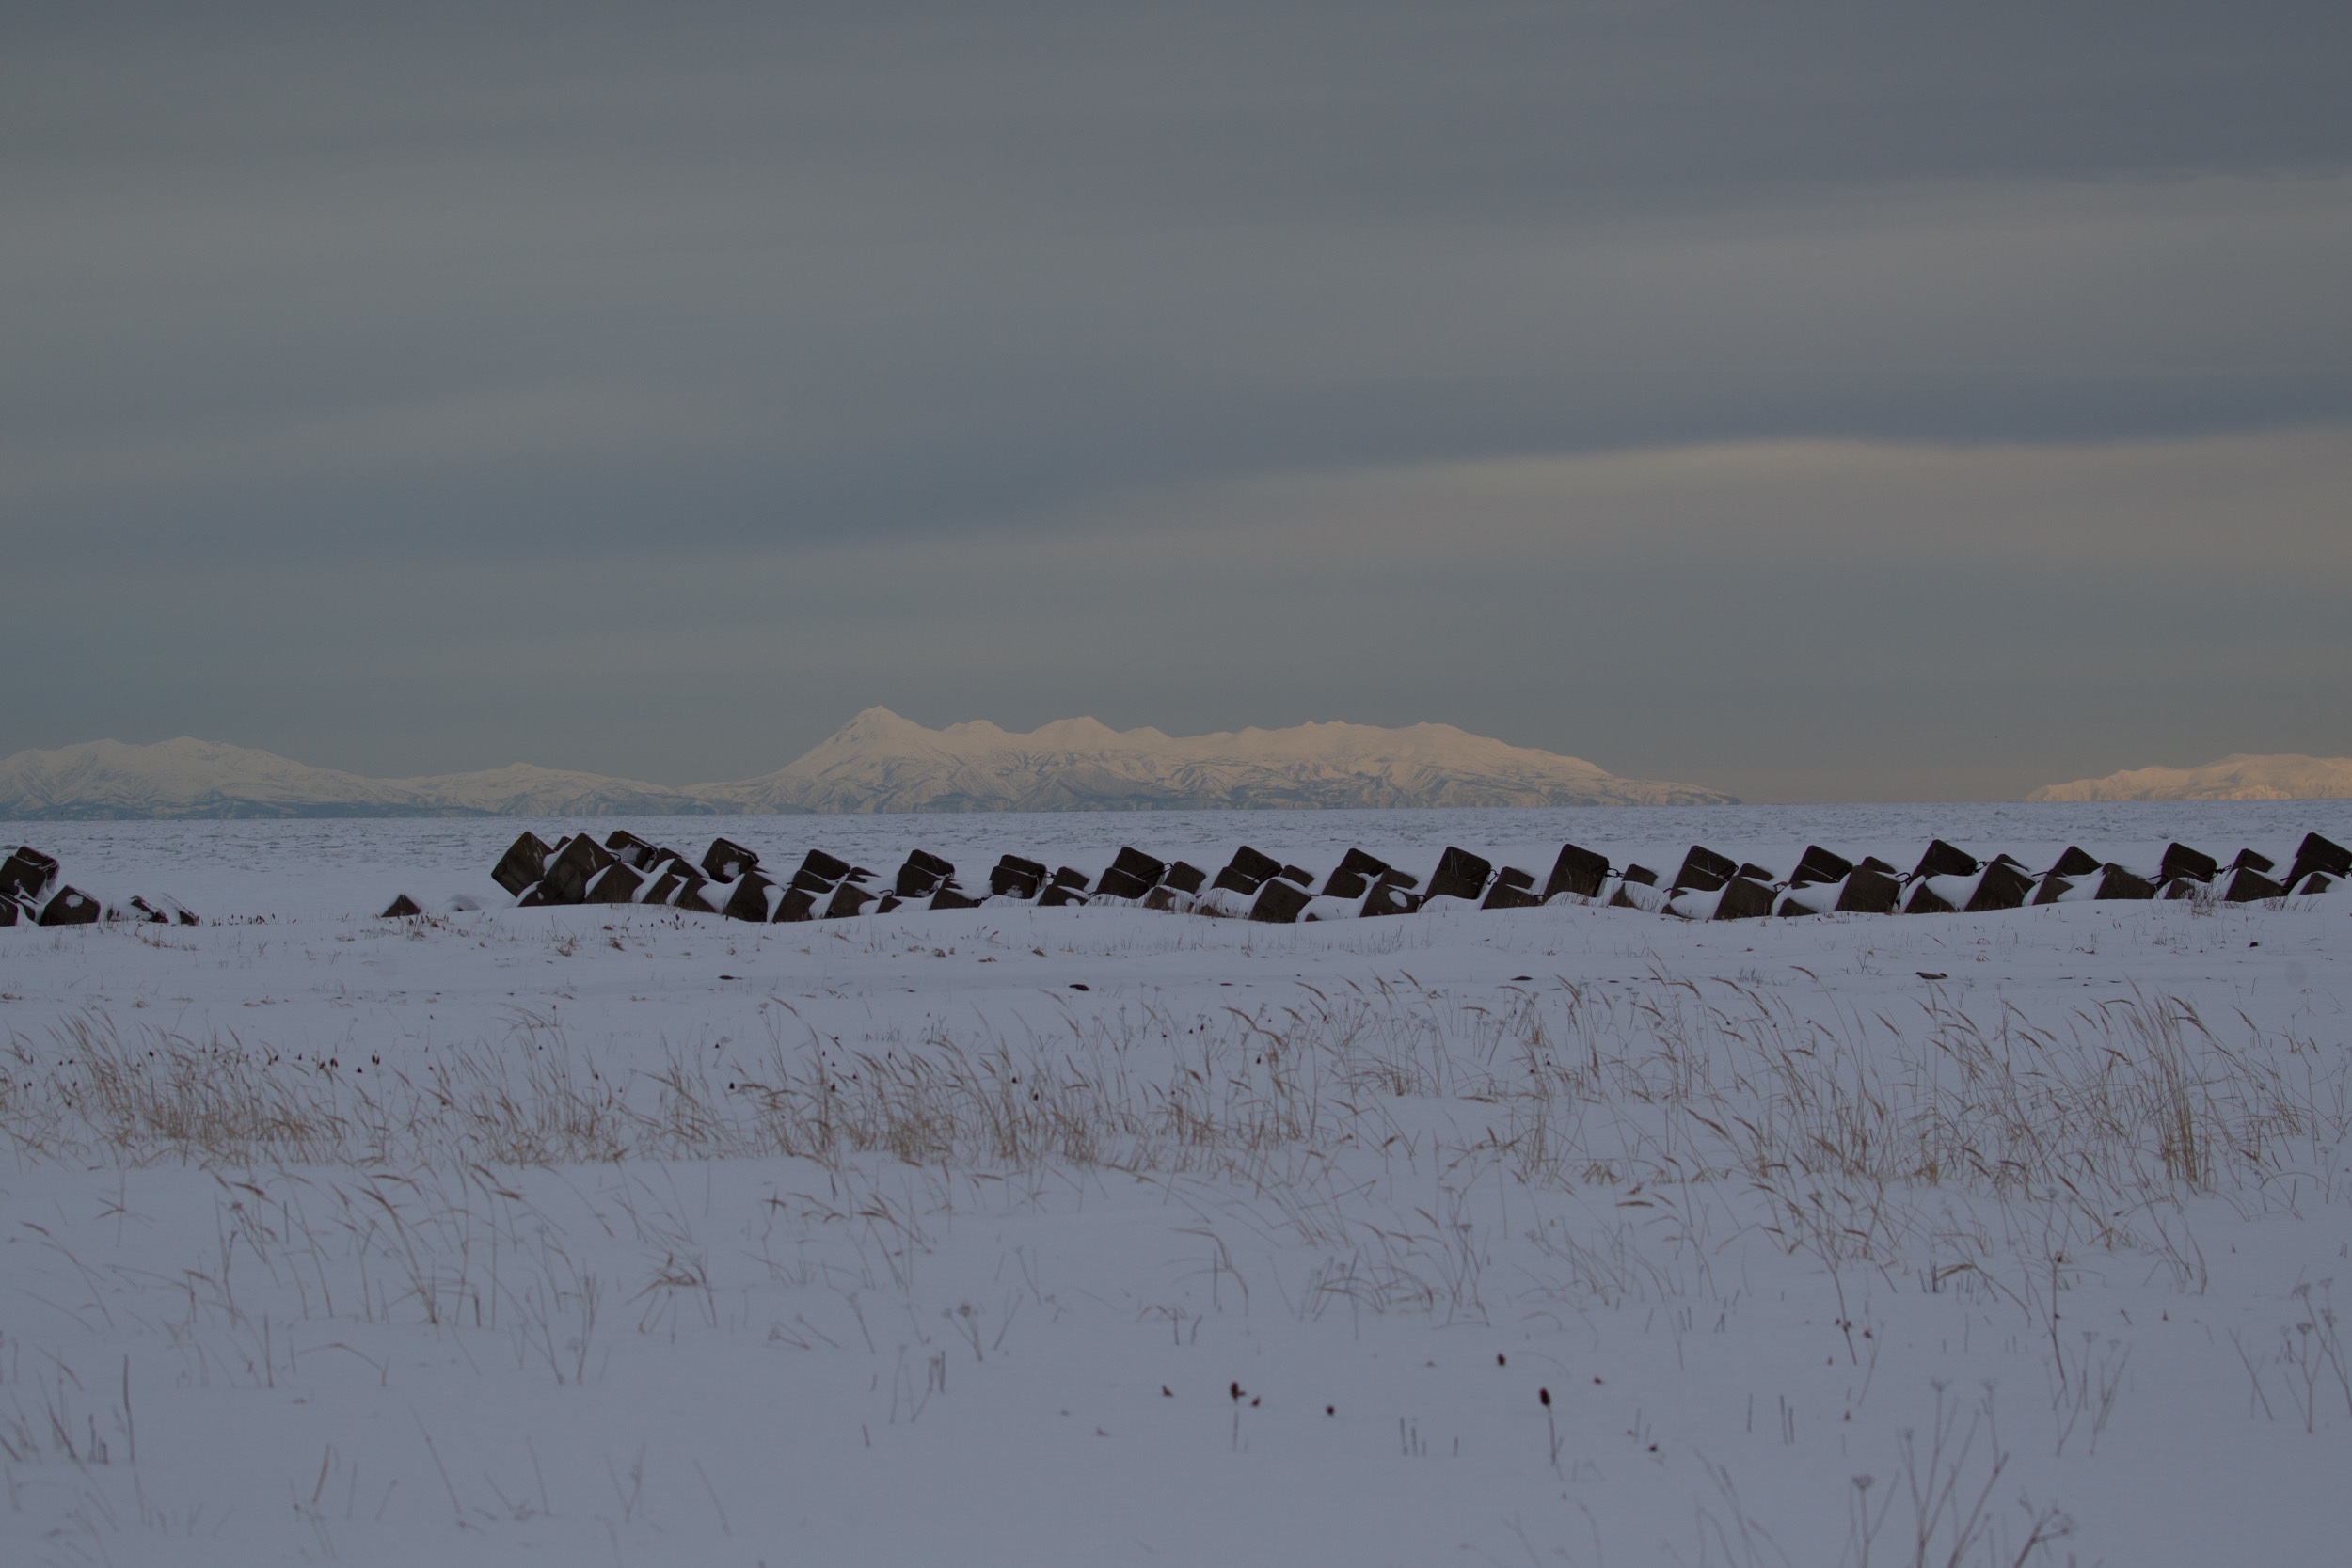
(617, 1234)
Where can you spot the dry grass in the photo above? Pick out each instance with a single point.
(2101, 1115)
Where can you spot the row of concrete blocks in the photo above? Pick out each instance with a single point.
(33, 891)
(1950, 880)
(729, 879)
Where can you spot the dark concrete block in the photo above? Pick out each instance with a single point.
(831, 867)
(1944, 859)
(524, 863)
(754, 899)
(948, 899)
(808, 881)
(1358, 864)
(2247, 884)
(26, 872)
(2052, 888)
(2177, 888)
(1254, 866)
(1508, 895)
(634, 852)
(2317, 881)
(1072, 877)
(1143, 868)
(1060, 894)
(1186, 879)
(2182, 861)
(1872, 863)
(1924, 900)
(887, 902)
(535, 896)
(1236, 880)
(1390, 898)
(922, 875)
(399, 909)
(615, 884)
(1346, 884)
(574, 864)
(2116, 882)
(1744, 898)
(1014, 878)
(2249, 860)
(799, 904)
(1641, 876)
(11, 911)
(1867, 891)
(1818, 864)
(69, 906)
(1298, 874)
(1756, 873)
(1117, 883)
(1577, 871)
(2319, 854)
(1279, 901)
(2005, 886)
(1704, 871)
(677, 886)
(727, 859)
(1459, 874)
(2073, 864)
(848, 899)
(1513, 889)
(1160, 897)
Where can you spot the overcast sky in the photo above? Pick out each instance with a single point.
(1808, 401)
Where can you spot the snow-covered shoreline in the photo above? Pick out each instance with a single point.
(615, 1234)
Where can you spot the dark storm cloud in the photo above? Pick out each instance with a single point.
(348, 317)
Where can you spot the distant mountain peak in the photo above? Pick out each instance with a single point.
(2280, 776)
(1083, 764)
(877, 762)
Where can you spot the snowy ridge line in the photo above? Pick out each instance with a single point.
(2281, 776)
(877, 762)
(729, 880)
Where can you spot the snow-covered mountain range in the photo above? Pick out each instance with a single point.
(2238, 777)
(878, 762)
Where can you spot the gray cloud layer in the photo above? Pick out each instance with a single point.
(1809, 400)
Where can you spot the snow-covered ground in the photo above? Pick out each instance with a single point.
(1038, 1236)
